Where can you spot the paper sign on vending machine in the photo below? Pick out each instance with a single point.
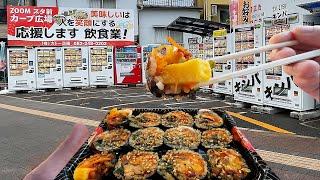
(49, 68)
(101, 66)
(127, 65)
(75, 67)
(21, 71)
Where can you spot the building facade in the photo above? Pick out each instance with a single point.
(215, 10)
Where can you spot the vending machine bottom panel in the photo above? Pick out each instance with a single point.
(224, 87)
(281, 92)
(249, 88)
(21, 85)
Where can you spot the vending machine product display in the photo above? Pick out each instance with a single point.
(279, 88)
(208, 48)
(49, 68)
(127, 65)
(21, 69)
(146, 50)
(195, 46)
(248, 88)
(222, 47)
(101, 66)
(75, 67)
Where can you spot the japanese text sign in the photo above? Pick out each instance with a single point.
(245, 12)
(56, 26)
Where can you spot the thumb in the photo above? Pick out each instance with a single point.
(308, 35)
(50, 168)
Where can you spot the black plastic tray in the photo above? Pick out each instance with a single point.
(259, 168)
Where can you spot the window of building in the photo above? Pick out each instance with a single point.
(224, 15)
(161, 33)
(108, 4)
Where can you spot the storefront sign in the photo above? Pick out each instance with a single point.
(245, 12)
(53, 26)
(233, 10)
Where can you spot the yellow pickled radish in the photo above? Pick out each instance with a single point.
(192, 71)
(82, 173)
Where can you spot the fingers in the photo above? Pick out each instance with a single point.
(308, 35)
(281, 37)
(309, 85)
(49, 168)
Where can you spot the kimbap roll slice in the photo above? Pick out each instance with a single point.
(146, 139)
(227, 164)
(207, 119)
(182, 164)
(147, 119)
(216, 137)
(116, 117)
(95, 167)
(136, 165)
(177, 118)
(111, 140)
(182, 137)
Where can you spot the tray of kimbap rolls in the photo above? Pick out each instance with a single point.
(167, 144)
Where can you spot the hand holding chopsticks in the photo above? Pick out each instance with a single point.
(285, 61)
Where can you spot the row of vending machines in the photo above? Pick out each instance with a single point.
(58, 67)
(272, 87)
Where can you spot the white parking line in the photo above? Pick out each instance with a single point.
(190, 102)
(101, 97)
(67, 105)
(307, 125)
(125, 104)
(290, 160)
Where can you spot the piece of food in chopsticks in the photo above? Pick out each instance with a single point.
(182, 137)
(207, 119)
(117, 117)
(94, 167)
(177, 118)
(227, 164)
(136, 165)
(171, 70)
(146, 119)
(146, 139)
(216, 138)
(182, 164)
(111, 140)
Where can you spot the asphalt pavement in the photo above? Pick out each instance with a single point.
(32, 125)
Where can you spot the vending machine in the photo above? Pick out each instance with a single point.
(208, 48)
(75, 67)
(101, 66)
(195, 46)
(21, 69)
(248, 88)
(279, 88)
(49, 68)
(127, 65)
(146, 50)
(222, 46)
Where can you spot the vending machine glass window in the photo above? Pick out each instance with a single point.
(48, 68)
(101, 66)
(21, 72)
(75, 69)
